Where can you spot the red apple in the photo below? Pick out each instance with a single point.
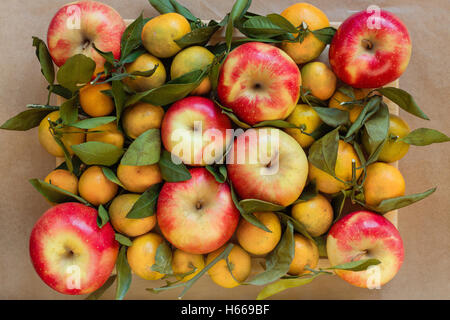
(78, 25)
(70, 252)
(370, 49)
(197, 216)
(364, 235)
(259, 82)
(195, 130)
(267, 164)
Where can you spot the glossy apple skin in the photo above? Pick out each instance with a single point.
(193, 230)
(365, 230)
(178, 127)
(370, 68)
(281, 184)
(259, 82)
(72, 226)
(98, 23)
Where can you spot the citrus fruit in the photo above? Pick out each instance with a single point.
(138, 178)
(240, 265)
(305, 115)
(70, 136)
(315, 19)
(255, 240)
(95, 187)
(159, 33)
(383, 181)
(109, 133)
(183, 262)
(118, 210)
(306, 254)
(63, 179)
(141, 256)
(94, 102)
(318, 79)
(354, 110)
(326, 183)
(393, 149)
(315, 214)
(190, 59)
(145, 62)
(141, 117)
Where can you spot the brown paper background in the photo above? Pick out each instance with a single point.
(425, 226)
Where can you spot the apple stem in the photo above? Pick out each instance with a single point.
(359, 255)
(367, 44)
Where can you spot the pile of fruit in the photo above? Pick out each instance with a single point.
(185, 156)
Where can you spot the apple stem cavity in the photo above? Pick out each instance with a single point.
(367, 44)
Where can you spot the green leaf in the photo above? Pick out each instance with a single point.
(284, 284)
(162, 6)
(123, 274)
(337, 202)
(236, 120)
(43, 55)
(275, 123)
(27, 119)
(425, 137)
(94, 152)
(370, 108)
(377, 129)
(108, 56)
(333, 117)
(400, 202)
(103, 216)
(325, 35)
(172, 172)
(404, 100)
(323, 152)
(134, 55)
(219, 172)
(348, 91)
(175, 89)
(60, 91)
(69, 111)
(123, 240)
(359, 265)
(187, 285)
(76, 72)
(100, 291)
(298, 226)
(67, 156)
(260, 26)
(111, 176)
(76, 166)
(55, 194)
(183, 11)
(321, 243)
(279, 260)
(119, 96)
(249, 217)
(145, 150)
(255, 205)
(91, 123)
(199, 36)
(145, 206)
(215, 70)
(163, 259)
(282, 22)
(309, 192)
(131, 38)
(240, 7)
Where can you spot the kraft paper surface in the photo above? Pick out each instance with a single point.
(424, 226)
